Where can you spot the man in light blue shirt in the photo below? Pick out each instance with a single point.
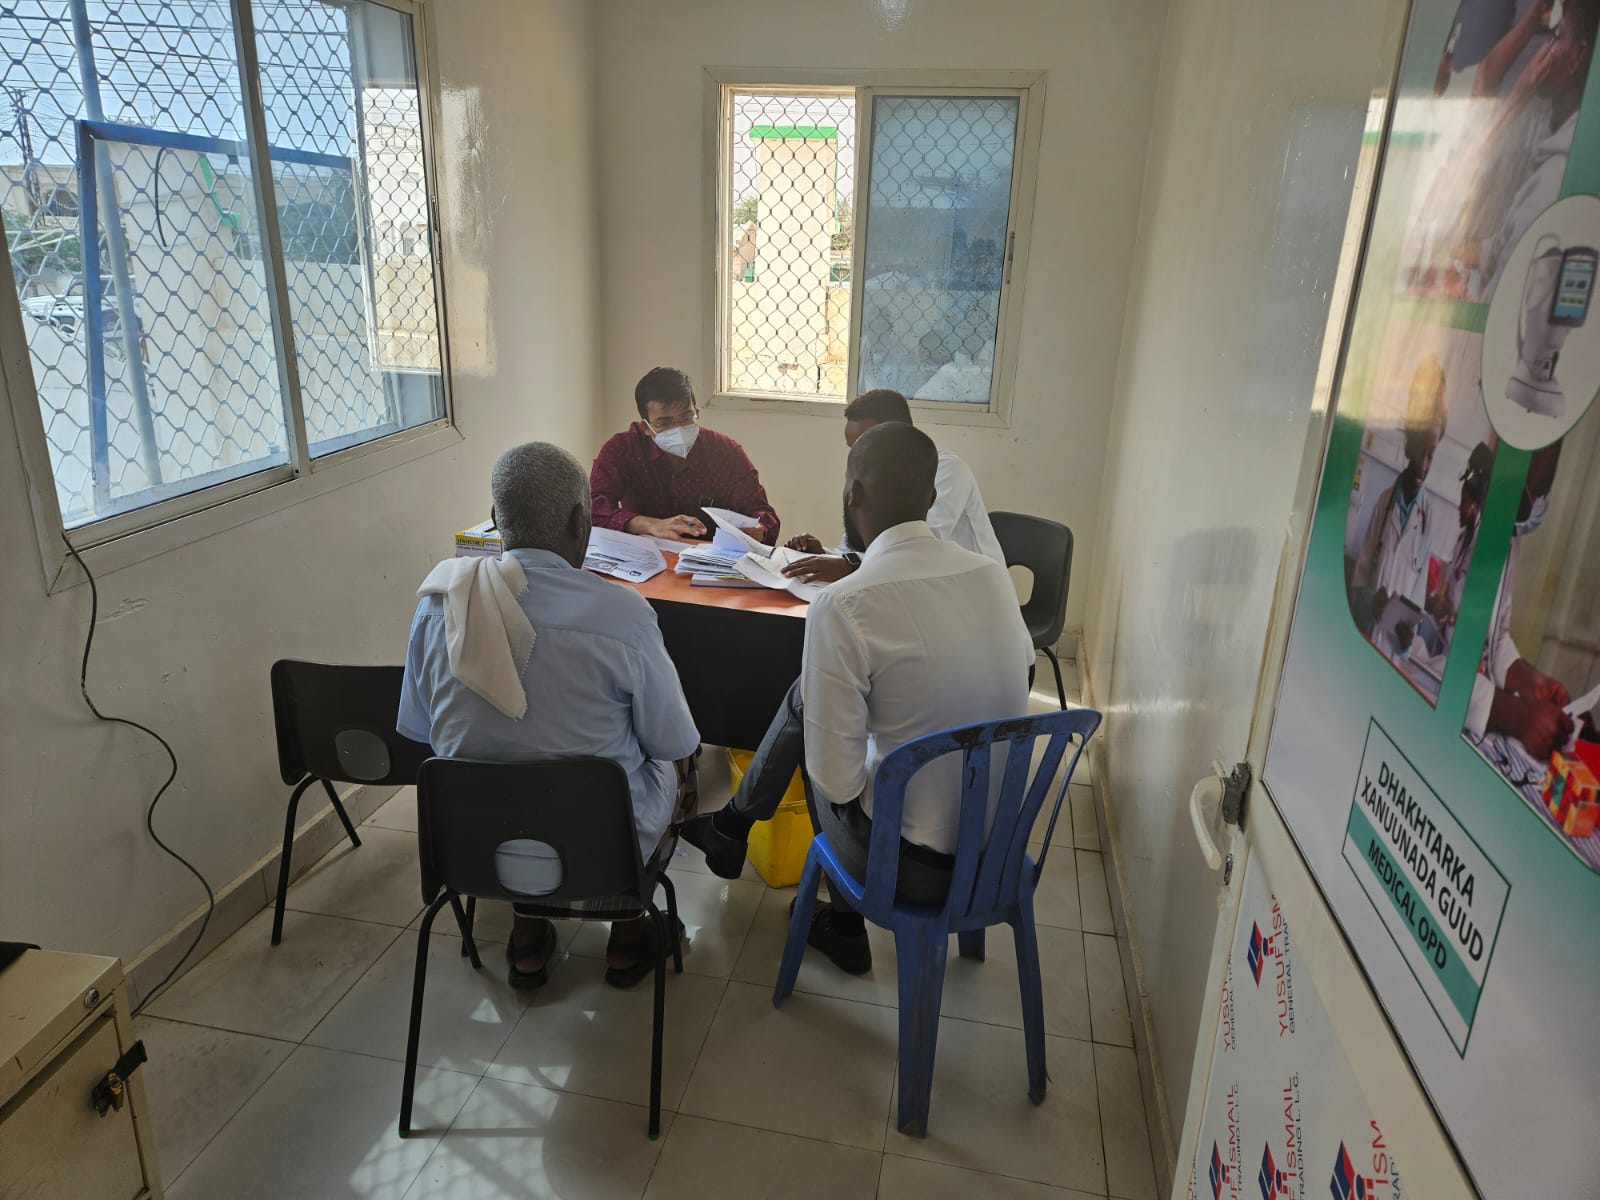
(598, 683)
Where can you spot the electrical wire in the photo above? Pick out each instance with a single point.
(172, 774)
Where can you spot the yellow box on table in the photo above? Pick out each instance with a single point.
(778, 847)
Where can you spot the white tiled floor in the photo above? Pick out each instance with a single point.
(275, 1072)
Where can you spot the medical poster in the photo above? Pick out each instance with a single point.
(1285, 1118)
(1434, 750)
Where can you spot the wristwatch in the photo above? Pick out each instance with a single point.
(854, 559)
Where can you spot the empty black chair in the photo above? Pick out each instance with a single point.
(581, 808)
(1045, 548)
(336, 724)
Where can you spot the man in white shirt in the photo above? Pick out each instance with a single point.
(924, 636)
(958, 513)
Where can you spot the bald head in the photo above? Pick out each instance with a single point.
(889, 479)
(541, 500)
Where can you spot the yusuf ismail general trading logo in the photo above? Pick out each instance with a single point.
(1280, 1175)
(1224, 1171)
(1381, 1181)
(1273, 946)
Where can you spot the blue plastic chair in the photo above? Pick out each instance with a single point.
(993, 880)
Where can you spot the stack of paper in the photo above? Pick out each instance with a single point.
(698, 558)
(623, 555)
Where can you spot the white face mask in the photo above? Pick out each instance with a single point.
(678, 440)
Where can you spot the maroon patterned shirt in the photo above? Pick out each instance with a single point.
(632, 477)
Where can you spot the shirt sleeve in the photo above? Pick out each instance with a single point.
(746, 495)
(835, 680)
(952, 496)
(607, 487)
(416, 703)
(662, 722)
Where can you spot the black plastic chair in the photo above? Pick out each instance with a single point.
(581, 808)
(1045, 548)
(336, 724)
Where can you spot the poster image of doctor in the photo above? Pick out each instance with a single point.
(1416, 501)
(1432, 756)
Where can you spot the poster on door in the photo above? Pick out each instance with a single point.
(1284, 1116)
(1435, 750)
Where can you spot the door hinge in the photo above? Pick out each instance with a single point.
(1011, 254)
(1235, 793)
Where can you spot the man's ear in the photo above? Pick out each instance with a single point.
(578, 524)
(854, 493)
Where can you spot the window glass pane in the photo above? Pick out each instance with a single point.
(344, 120)
(153, 353)
(939, 203)
(791, 174)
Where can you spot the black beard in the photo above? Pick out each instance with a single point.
(852, 535)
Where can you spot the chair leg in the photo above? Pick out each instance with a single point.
(1028, 977)
(468, 946)
(921, 949)
(971, 944)
(1061, 691)
(283, 859)
(472, 923)
(344, 817)
(419, 980)
(660, 1019)
(672, 924)
(794, 947)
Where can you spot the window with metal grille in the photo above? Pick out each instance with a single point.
(873, 236)
(218, 219)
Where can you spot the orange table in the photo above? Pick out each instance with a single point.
(737, 650)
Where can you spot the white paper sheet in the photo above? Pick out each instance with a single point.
(768, 572)
(624, 556)
(731, 533)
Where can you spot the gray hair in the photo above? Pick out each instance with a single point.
(535, 488)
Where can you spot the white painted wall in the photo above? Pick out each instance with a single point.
(1101, 64)
(1257, 132)
(186, 639)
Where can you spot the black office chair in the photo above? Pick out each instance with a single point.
(336, 724)
(1045, 548)
(582, 809)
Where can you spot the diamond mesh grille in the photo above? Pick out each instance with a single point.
(350, 192)
(791, 176)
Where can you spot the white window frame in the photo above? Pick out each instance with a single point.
(1029, 89)
(126, 538)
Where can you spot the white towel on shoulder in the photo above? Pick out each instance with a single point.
(487, 634)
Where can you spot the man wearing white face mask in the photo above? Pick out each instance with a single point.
(659, 475)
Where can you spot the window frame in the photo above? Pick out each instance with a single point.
(1029, 88)
(122, 539)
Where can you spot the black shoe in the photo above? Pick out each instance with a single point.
(724, 855)
(846, 949)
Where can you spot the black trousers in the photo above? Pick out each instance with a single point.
(924, 876)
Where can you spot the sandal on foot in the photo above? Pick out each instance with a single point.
(642, 949)
(545, 948)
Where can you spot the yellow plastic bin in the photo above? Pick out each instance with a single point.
(778, 847)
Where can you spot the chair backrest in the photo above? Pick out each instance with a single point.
(580, 807)
(1045, 548)
(338, 723)
(987, 870)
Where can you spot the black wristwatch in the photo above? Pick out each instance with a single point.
(854, 559)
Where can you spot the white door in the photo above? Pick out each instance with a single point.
(1404, 945)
